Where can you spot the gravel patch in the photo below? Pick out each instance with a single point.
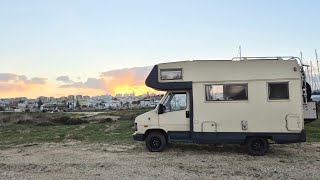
(77, 160)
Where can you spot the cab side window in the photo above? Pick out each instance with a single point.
(175, 102)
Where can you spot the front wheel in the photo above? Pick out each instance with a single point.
(257, 146)
(156, 142)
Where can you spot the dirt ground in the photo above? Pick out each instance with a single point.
(76, 160)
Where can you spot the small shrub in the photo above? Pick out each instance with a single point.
(6, 119)
(107, 120)
(75, 121)
(24, 121)
(62, 120)
(66, 120)
(45, 123)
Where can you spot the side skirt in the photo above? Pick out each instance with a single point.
(234, 137)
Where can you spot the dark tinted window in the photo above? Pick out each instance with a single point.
(170, 74)
(227, 92)
(278, 90)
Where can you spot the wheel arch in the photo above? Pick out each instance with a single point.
(268, 137)
(162, 131)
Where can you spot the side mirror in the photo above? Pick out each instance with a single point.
(161, 109)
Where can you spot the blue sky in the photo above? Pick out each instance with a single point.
(82, 39)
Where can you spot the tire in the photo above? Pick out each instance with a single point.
(156, 142)
(257, 146)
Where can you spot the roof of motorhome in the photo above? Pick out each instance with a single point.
(227, 70)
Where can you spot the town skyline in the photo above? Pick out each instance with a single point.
(79, 103)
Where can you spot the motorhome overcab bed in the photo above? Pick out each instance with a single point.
(250, 101)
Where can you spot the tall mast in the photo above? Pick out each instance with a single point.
(313, 79)
(318, 76)
(308, 75)
(311, 76)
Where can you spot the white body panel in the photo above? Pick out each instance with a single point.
(258, 114)
(261, 114)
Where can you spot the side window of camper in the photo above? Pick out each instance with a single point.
(278, 90)
(175, 102)
(227, 92)
(170, 74)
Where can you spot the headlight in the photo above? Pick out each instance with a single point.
(135, 127)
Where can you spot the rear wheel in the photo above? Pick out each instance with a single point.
(156, 142)
(257, 146)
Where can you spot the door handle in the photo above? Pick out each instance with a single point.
(187, 114)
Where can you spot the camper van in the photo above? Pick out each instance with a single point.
(251, 101)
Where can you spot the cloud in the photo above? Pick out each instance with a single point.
(6, 77)
(64, 79)
(13, 85)
(37, 80)
(8, 87)
(115, 81)
(128, 80)
(91, 83)
(15, 78)
(133, 76)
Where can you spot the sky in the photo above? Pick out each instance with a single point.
(58, 47)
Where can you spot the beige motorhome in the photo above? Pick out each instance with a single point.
(249, 101)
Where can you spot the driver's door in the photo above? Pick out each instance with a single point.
(176, 115)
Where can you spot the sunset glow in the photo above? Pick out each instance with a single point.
(126, 89)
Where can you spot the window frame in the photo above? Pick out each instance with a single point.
(223, 84)
(171, 99)
(172, 69)
(278, 82)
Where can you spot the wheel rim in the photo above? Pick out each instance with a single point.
(257, 145)
(155, 142)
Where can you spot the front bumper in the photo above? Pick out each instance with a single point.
(138, 137)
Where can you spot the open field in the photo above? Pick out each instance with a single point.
(78, 160)
(97, 127)
(102, 127)
(100, 146)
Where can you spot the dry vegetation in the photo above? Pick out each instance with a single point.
(100, 146)
(102, 127)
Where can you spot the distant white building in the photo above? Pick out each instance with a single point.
(84, 102)
(86, 97)
(113, 104)
(118, 96)
(71, 98)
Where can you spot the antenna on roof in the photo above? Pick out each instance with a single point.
(240, 52)
(315, 51)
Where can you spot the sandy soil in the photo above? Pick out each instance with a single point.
(76, 160)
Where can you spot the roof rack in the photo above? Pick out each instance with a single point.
(266, 58)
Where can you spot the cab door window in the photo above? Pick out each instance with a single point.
(175, 102)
